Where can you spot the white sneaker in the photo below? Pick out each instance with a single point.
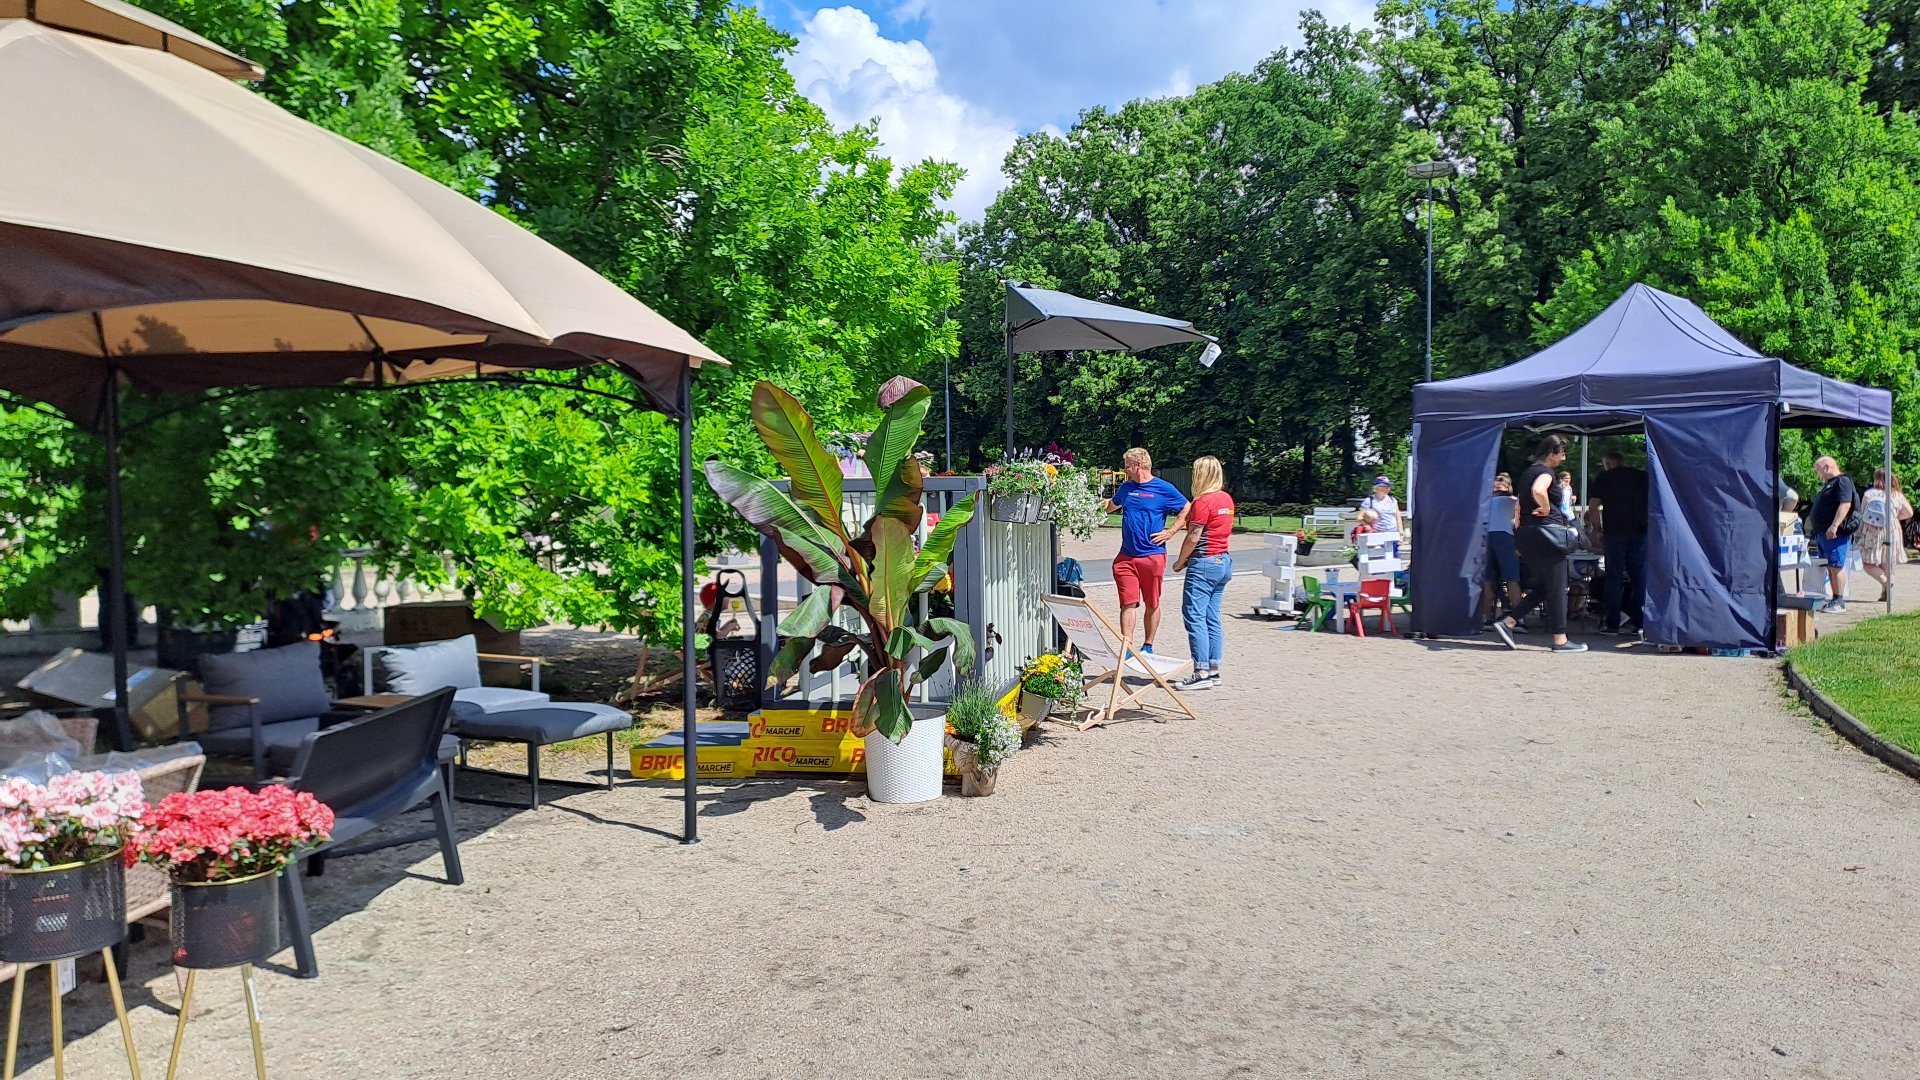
(1199, 680)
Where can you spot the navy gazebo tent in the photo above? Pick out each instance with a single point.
(1711, 410)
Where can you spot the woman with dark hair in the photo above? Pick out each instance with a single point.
(1545, 539)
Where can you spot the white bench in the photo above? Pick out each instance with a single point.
(1327, 519)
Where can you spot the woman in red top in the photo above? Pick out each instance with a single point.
(1209, 568)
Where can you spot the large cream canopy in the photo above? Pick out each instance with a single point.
(165, 226)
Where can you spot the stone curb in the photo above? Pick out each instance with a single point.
(1855, 732)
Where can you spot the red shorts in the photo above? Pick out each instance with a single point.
(1138, 578)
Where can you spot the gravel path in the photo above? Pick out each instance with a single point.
(1368, 859)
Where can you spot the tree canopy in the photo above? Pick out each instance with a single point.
(1755, 155)
(663, 144)
(1758, 156)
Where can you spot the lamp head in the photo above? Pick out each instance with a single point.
(1433, 170)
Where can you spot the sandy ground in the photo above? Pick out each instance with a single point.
(1366, 859)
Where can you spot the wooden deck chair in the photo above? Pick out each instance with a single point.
(1101, 647)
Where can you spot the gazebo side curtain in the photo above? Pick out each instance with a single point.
(1710, 531)
(1711, 534)
(1454, 470)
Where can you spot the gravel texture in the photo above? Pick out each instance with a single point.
(1369, 858)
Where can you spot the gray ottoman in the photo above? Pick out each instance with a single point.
(542, 726)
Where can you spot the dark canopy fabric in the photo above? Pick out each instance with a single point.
(1042, 320)
(1711, 409)
(1648, 351)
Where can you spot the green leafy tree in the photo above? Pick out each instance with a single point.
(1759, 180)
(665, 145)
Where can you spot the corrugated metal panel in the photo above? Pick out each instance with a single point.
(1018, 573)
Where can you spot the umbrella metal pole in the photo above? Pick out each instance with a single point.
(1893, 535)
(688, 698)
(946, 400)
(114, 610)
(1009, 391)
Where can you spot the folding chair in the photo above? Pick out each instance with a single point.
(1100, 646)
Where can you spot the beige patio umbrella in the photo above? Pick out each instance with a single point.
(116, 20)
(164, 228)
(161, 221)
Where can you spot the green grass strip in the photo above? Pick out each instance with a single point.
(1873, 671)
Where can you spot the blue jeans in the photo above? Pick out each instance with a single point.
(1200, 596)
(1626, 576)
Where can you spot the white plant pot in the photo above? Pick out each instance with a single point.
(911, 770)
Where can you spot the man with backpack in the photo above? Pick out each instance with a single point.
(1831, 525)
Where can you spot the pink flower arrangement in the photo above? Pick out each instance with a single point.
(71, 818)
(231, 833)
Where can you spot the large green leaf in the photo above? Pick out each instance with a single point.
(787, 429)
(890, 715)
(962, 640)
(890, 448)
(905, 639)
(866, 702)
(931, 565)
(810, 617)
(818, 555)
(831, 656)
(786, 662)
(891, 574)
(931, 663)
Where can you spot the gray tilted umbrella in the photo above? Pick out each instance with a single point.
(1045, 320)
(164, 229)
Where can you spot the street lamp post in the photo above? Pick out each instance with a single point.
(1431, 171)
(1428, 171)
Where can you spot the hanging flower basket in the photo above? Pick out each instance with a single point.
(216, 924)
(63, 911)
(1015, 509)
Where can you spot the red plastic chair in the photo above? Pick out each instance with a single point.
(1375, 595)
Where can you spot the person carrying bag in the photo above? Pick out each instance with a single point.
(1545, 539)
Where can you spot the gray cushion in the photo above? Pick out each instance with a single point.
(489, 699)
(549, 724)
(287, 681)
(282, 740)
(422, 669)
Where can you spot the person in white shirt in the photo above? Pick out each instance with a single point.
(1383, 504)
(1503, 559)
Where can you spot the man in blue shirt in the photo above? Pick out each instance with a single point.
(1143, 501)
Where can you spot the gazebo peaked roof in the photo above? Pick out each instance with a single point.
(1649, 351)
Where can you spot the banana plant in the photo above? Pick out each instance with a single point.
(874, 569)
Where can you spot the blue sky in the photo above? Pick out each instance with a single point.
(959, 80)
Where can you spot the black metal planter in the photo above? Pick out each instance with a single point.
(63, 912)
(221, 924)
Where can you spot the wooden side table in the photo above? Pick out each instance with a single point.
(375, 701)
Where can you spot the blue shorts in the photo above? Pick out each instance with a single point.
(1834, 551)
(1503, 558)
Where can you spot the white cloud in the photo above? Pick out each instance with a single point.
(854, 74)
(986, 70)
(1042, 61)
